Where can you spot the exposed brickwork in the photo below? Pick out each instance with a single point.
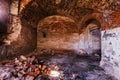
(111, 19)
(115, 17)
(75, 9)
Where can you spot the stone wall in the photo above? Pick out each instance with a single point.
(18, 38)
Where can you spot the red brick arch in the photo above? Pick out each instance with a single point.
(59, 24)
(94, 16)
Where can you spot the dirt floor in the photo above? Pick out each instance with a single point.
(70, 66)
(76, 67)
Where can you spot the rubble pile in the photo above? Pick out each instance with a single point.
(52, 67)
(25, 68)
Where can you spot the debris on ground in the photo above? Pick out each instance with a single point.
(52, 67)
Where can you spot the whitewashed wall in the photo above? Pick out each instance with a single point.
(111, 51)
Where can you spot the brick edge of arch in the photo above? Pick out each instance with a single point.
(82, 22)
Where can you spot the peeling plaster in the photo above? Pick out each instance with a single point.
(110, 51)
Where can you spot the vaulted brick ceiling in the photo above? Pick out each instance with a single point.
(57, 25)
(35, 10)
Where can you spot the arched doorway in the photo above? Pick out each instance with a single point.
(57, 33)
(90, 37)
(93, 44)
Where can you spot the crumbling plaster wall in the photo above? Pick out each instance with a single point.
(110, 39)
(20, 38)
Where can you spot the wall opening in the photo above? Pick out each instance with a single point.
(4, 19)
(60, 32)
(96, 40)
(44, 34)
(90, 38)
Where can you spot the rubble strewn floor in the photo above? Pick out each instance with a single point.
(63, 66)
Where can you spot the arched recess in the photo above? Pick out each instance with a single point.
(94, 36)
(83, 22)
(90, 33)
(57, 33)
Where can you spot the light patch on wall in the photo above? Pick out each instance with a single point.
(3, 10)
(23, 4)
(58, 1)
(111, 51)
(14, 8)
(14, 30)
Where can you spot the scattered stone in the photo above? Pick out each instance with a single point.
(33, 68)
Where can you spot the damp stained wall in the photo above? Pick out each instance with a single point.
(20, 38)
